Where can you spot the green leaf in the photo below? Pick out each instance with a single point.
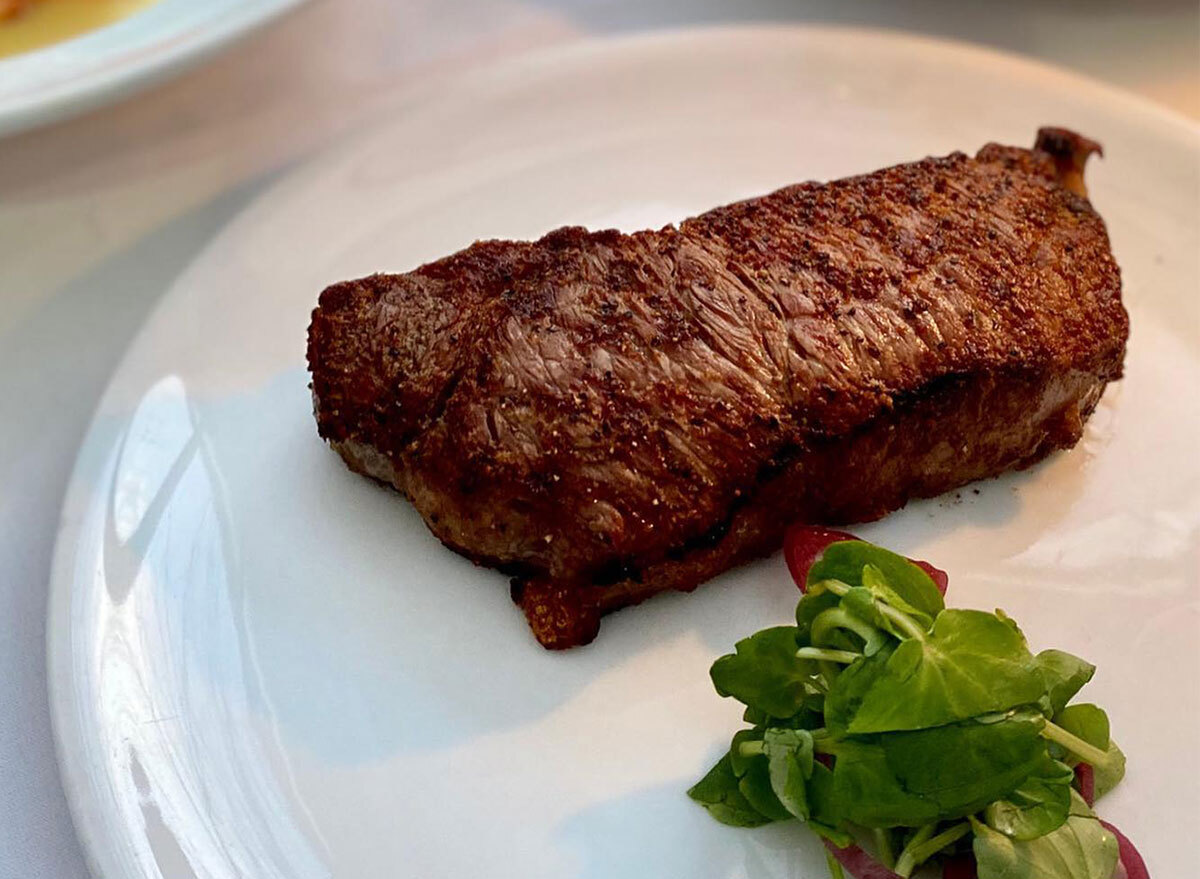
(753, 774)
(812, 716)
(964, 766)
(1087, 721)
(739, 762)
(912, 778)
(1090, 723)
(765, 673)
(790, 765)
(1063, 676)
(755, 717)
(860, 602)
(811, 606)
(866, 791)
(836, 835)
(1108, 774)
(835, 868)
(1079, 849)
(846, 559)
(876, 583)
(1000, 614)
(972, 663)
(755, 786)
(1039, 804)
(824, 817)
(718, 793)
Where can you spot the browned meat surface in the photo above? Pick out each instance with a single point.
(608, 416)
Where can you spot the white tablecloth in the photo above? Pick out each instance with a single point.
(99, 214)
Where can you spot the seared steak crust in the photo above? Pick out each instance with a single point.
(607, 416)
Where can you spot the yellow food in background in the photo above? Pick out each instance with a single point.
(31, 24)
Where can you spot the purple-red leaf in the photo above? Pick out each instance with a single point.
(858, 863)
(804, 544)
(939, 577)
(1131, 859)
(1085, 783)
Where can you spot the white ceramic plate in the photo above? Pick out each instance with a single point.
(105, 64)
(264, 666)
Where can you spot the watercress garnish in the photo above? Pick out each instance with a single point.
(718, 791)
(1079, 848)
(933, 730)
(765, 673)
(969, 663)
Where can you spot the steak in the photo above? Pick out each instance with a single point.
(605, 416)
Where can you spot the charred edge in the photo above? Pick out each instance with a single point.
(616, 571)
(1070, 152)
(767, 473)
(777, 463)
(560, 616)
(707, 540)
(521, 570)
(625, 570)
(942, 386)
(516, 589)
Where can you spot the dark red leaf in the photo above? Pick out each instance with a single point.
(803, 545)
(858, 863)
(1085, 782)
(939, 577)
(1131, 859)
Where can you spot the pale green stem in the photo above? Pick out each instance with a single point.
(883, 845)
(837, 618)
(1087, 752)
(902, 620)
(835, 869)
(751, 749)
(922, 834)
(827, 654)
(756, 749)
(917, 853)
(837, 587)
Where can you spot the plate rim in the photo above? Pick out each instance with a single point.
(99, 443)
(129, 69)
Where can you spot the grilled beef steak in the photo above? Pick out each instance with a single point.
(606, 416)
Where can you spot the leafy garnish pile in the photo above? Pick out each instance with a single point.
(932, 732)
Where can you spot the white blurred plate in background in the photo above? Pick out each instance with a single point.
(108, 63)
